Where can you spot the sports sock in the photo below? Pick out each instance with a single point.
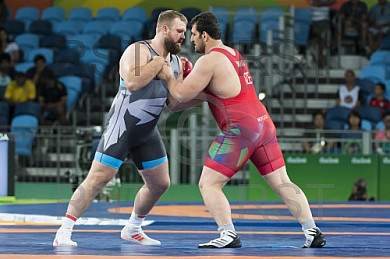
(226, 227)
(69, 221)
(308, 224)
(136, 219)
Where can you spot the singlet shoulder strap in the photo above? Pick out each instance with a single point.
(235, 60)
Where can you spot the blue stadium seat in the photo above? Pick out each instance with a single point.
(334, 124)
(302, 24)
(365, 85)
(71, 83)
(14, 28)
(27, 108)
(97, 27)
(380, 125)
(385, 43)
(372, 114)
(86, 72)
(128, 36)
(270, 21)
(243, 32)
(40, 27)
(338, 113)
(222, 14)
(67, 55)
(47, 53)
(24, 66)
(27, 15)
(4, 114)
(62, 69)
(381, 57)
(72, 99)
(27, 42)
(366, 125)
(189, 13)
(70, 27)
(83, 14)
(53, 14)
(110, 14)
(24, 127)
(112, 43)
(100, 59)
(246, 14)
(375, 73)
(387, 83)
(135, 14)
(82, 42)
(55, 42)
(223, 17)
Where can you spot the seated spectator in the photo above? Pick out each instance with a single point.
(11, 48)
(34, 73)
(5, 77)
(349, 95)
(379, 100)
(19, 90)
(354, 20)
(379, 24)
(52, 97)
(321, 26)
(383, 136)
(359, 191)
(320, 138)
(355, 145)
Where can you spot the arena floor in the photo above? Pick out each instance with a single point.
(352, 230)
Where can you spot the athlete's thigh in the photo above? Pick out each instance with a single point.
(229, 152)
(268, 157)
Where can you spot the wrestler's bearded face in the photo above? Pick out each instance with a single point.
(172, 46)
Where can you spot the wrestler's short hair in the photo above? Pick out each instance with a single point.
(207, 22)
(167, 17)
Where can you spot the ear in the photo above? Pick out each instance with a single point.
(165, 29)
(205, 36)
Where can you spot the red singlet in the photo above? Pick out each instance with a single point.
(247, 131)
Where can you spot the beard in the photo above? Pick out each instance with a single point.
(200, 48)
(171, 46)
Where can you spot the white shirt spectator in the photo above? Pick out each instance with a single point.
(349, 98)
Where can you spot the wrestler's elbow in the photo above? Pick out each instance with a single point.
(132, 86)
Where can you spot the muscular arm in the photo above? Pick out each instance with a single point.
(176, 106)
(194, 83)
(135, 68)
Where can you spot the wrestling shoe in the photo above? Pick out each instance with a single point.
(63, 238)
(135, 234)
(228, 239)
(314, 238)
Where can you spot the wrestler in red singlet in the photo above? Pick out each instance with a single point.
(247, 129)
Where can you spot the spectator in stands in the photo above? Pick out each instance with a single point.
(52, 97)
(355, 145)
(354, 20)
(317, 141)
(349, 95)
(6, 46)
(379, 100)
(379, 24)
(382, 145)
(359, 191)
(3, 13)
(19, 90)
(5, 75)
(321, 26)
(35, 72)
